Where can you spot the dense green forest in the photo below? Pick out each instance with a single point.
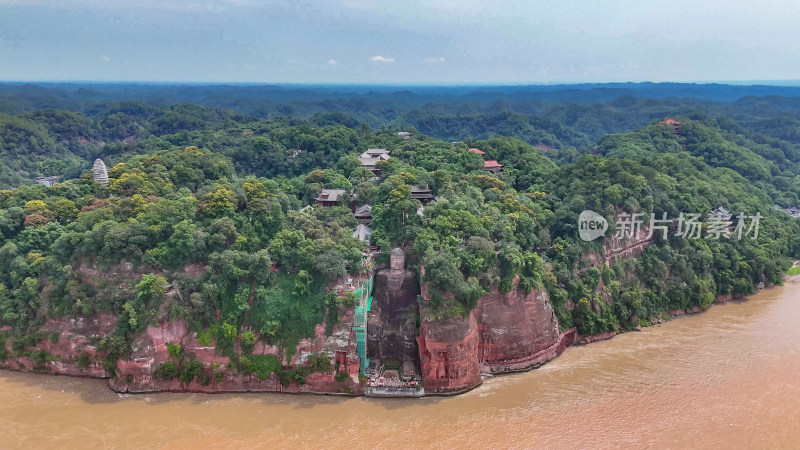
(210, 204)
(40, 137)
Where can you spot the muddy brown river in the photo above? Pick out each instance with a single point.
(725, 378)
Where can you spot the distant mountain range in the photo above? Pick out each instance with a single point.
(74, 95)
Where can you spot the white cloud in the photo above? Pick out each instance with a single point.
(381, 59)
(332, 62)
(435, 60)
(105, 58)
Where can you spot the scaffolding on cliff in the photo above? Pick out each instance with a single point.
(364, 294)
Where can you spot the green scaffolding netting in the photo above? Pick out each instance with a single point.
(360, 319)
(364, 294)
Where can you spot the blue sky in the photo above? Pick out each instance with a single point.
(401, 41)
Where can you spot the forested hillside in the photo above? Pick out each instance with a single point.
(208, 207)
(41, 138)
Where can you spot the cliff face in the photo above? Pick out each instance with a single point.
(517, 330)
(506, 332)
(618, 248)
(76, 336)
(448, 353)
(629, 246)
(150, 350)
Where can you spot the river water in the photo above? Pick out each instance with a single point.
(726, 378)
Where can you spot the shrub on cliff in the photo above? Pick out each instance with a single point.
(83, 361)
(39, 358)
(264, 365)
(175, 351)
(249, 339)
(191, 368)
(166, 371)
(205, 337)
(320, 362)
(341, 377)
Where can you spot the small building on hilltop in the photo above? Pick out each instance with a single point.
(330, 197)
(47, 181)
(492, 167)
(721, 211)
(404, 134)
(676, 126)
(475, 150)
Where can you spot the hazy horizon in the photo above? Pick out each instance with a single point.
(734, 83)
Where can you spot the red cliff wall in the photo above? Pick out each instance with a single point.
(506, 332)
(518, 331)
(77, 335)
(150, 350)
(448, 352)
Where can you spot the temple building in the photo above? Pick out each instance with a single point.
(362, 232)
(381, 153)
(676, 126)
(370, 159)
(422, 193)
(330, 197)
(492, 167)
(363, 214)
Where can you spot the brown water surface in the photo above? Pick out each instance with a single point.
(726, 378)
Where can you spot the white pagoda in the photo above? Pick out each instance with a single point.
(100, 172)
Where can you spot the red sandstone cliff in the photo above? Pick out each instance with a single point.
(518, 331)
(506, 332)
(448, 352)
(76, 335)
(79, 335)
(150, 350)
